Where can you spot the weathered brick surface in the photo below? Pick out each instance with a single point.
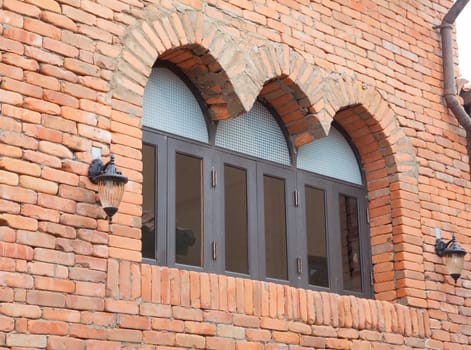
(72, 77)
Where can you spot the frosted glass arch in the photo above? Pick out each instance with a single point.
(255, 133)
(169, 105)
(330, 156)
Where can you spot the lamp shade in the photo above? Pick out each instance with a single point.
(110, 185)
(453, 257)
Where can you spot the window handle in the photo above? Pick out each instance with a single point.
(214, 177)
(296, 198)
(299, 263)
(214, 247)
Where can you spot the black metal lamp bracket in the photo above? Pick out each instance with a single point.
(440, 246)
(95, 169)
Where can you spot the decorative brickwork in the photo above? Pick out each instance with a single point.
(72, 77)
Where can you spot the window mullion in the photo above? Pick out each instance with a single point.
(215, 220)
(334, 244)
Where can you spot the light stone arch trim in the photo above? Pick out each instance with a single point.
(152, 37)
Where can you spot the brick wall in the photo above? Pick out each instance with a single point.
(72, 77)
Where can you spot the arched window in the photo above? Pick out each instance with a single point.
(239, 205)
(319, 155)
(169, 105)
(256, 133)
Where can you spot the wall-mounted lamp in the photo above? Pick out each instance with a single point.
(110, 184)
(452, 253)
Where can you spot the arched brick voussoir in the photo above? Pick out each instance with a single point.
(210, 43)
(293, 88)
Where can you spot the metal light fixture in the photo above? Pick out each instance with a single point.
(452, 253)
(110, 184)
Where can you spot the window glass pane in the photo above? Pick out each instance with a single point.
(318, 157)
(148, 206)
(255, 133)
(275, 227)
(169, 105)
(350, 240)
(235, 209)
(316, 237)
(189, 210)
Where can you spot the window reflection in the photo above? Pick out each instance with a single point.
(316, 237)
(148, 206)
(235, 215)
(275, 228)
(188, 211)
(350, 239)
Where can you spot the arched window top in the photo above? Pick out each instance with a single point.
(169, 105)
(330, 156)
(255, 133)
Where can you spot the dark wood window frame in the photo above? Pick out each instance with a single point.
(214, 159)
(295, 180)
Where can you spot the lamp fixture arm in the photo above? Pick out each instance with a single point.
(440, 245)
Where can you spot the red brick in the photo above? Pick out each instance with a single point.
(11, 18)
(54, 256)
(38, 184)
(42, 28)
(10, 97)
(22, 114)
(47, 327)
(202, 328)
(159, 338)
(16, 140)
(54, 202)
(21, 222)
(26, 340)
(60, 98)
(23, 36)
(8, 70)
(42, 55)
(60, 48)
(102, 345)
(41, 106)
(42, 158)
(45, 298)
(155, 310)
(58, 20)
(125, 335)
(17, 310)
(90, 289)
(7, 234)
(83, 274)
(21, 87)
(16, 280)
(59, 176)
(78, 221)
(80, 67)
(84, 303)
(11, 46)
(9, 178)
(35, 239)
(79, 91)
(7, 324)
(121, 306)
(54, 284)
(90, 262)
(58, 72)
(64, 343)
(20, 61)
(55, 149)
(61, 315)
(77, 143)
(135, 322)
(19, 166)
